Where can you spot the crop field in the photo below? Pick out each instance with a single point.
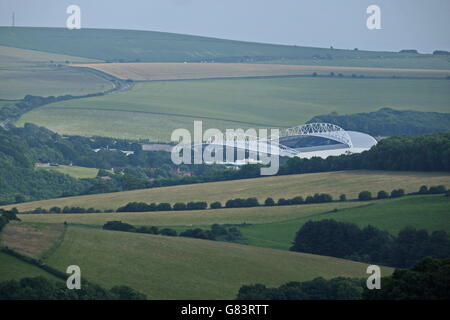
(289, 186)
(74, 171)
(180, 71)
(152, 110)
(33, 72)
(180, 268)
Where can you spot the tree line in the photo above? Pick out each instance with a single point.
(429, 279)
(369, 244)
(389, 122)
(217, 232)
(240, 202)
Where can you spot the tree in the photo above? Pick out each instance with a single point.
(269, 202)
(396, 193)
(215, 205)
(365, 195)
(426, 280)
(297, 200)
(382, 195)
(423, 190)
(342, 197)
(179, 206)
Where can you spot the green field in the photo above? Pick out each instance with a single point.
(12, 268)
(152, 110)
(422, 212)
(335, 183)
(75, 171)
(33, 72)
(275, 227)
(180, 268)
(254, 215)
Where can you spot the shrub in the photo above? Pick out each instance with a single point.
(365, 195)
(382, 195)
(269, 202)
(164, 206)
(342, 197)
(168, 232)
(283, 202)
(215, 205)
(297, 200)
(423, 190)
(397, 193)
(118, 225)
(437, 189)
(179, 206)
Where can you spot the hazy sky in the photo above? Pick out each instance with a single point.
(406, 24)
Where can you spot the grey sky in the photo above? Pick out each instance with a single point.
(406, 24)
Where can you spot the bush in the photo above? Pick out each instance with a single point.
(179, 206)
(164, 206)
(269, 202)
(297, 200)
(283, 202)
(342, 197)
(437, 190)
(215, 205)
(382, 195)
(365, 195)
(423, 190)
(119, 226)
(168, 232)
(397, 193)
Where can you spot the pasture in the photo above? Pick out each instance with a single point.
(180, 268)
(74, 171)
(152, 110)
(334, 183)
(24, 72)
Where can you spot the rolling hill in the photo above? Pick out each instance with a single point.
(30, 72)
(334, 183)
(152, 110)
(148, 46)
(180, 268)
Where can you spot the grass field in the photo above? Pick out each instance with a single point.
(255, 215)
(178, 71)
(422, 212)
(334, 183)
(12, 268)
(33, 72)
(152, 110)
(275, 227)
(180, 268)
(74, 171)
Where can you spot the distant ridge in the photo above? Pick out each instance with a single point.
(149, 46)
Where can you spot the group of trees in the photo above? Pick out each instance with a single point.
(396, 193)
(163, 206)
(390, 122)
(21, 148)
(407, 153)
(369, 244)
(40, 288)
(429, 279)
(318, 289)
(6, 216)
(216, 232)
